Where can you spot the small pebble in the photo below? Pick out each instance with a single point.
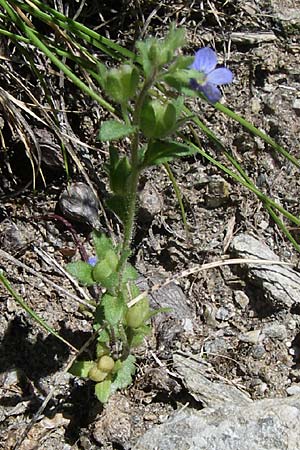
(275, 331)
(294, 389)
(258, 351)
(241, 299)
(79, 203)
(251, 337)
(217, 192)
(223, 313)
(296, 106)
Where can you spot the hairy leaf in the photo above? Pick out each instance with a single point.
(112, 130)
(82, 271)
(163, 151)
(81, 368)
(124, 375)
(103, 390)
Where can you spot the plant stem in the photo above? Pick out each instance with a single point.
(134, 177)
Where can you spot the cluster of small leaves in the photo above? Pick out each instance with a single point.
(145, 111)
(119, 328)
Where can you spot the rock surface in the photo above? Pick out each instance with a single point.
(279, 285)
(210, 393)
(271, 424)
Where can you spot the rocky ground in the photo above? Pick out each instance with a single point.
(221, 370)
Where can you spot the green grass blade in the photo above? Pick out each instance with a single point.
(179, 199)
(282, 227)
(77, 28)
(30, 311)
(251, 187)
(256, 132)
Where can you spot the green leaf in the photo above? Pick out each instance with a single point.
(160, 152)
(82, 271)
(103, 390)
(144, 50)
(158, 119)
(81, 368)
(123, 377)
(111, 282)
(103, 336)
(119, 205)
(174, 39)
(191, 93)
(130, 273)
(102, 244)
(136, 335)
(181, 62)
(112, 130)
(114, 308)
(101, 271)
(112, 259)
(119, 170)
(179, 105)
(113, 85)
(154, 312)
(129, 77)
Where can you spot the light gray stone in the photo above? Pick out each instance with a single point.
(252, 336)
(270, 424)
(241, 299)
(210, 393)
(279, 284)
(275, 330)
(294, 389)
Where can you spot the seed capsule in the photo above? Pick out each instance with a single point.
(106, 364)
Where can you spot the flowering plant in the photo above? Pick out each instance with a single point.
(209, 78)
(149, 121)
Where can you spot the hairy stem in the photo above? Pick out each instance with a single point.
(134, 176)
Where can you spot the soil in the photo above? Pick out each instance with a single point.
(260, 43)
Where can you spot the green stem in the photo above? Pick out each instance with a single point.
(134, 177)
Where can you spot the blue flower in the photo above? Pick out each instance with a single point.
(209, 77)
(92, 261)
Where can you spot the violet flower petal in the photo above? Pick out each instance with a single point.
(211, 91)
(92, 261)
(205, 60)
(220, 76)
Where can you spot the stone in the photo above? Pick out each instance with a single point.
(217, 192)
(251, 337)
(264, 424)
(241, 299)
(289, 17)
(224, 313)
(150, 202)
(79, 203)
(294, 389)
(275, 330)
(258, 351)
(279, 285)
(194, 375)
(296, 106)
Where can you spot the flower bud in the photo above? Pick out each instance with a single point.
(97, 375)
(121, 83)
(158, 119)
(138, 313)
(101, 349)
(106, 363)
